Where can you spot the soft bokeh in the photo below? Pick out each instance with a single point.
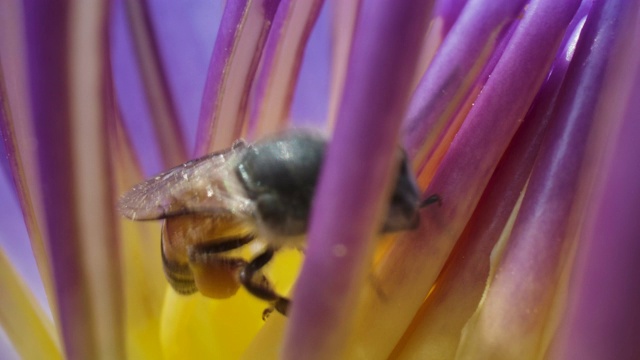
(521, 115)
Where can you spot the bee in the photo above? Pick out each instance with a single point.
(225, 200)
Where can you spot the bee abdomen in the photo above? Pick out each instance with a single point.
(179, 276)
(186, 287)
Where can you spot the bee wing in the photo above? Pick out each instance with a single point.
(204, 185)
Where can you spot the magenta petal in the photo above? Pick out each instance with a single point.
(16, 131)
(14, 240)
(351, 193)
(503, 102)
(185, 35)
(517, 308)
(185, 32)
(463, 280)
(232, 67)
(4, 158)
(448, 10)
(66, 59)
(7, 150)
(310, 100)
(161, 103)
(453, 71)
(280, 65)
(604, 317)
(414, 261)
(605, 321)
(129, 93)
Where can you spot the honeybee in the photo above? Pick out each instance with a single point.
(225, 200)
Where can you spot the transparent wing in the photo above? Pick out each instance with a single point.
(204, 185)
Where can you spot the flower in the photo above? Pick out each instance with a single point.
(520, 115)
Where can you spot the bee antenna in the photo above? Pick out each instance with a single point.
(432, 199)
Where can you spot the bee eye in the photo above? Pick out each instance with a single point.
(281, 166)
(271, 209)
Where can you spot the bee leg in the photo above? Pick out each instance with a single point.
(210, 258)
(215, 274)
(281, 305)
(259, 286)
(220, 246)
(435, 198)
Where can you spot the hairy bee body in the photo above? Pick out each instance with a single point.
(222, 201)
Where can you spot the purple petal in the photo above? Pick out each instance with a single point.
(445, 14)
(186, 32)
(66, 66)
(448, 11)
(517, 308)
(130, 93)
(236, 54)
(161, 103)
(351, 194)
(4, 154)
(7, 350)
(604, 318)
(309, 107)
(280, 65)
(14, 239)
(411, 266)
(453, 71)
(16, 131)
(343, 22)
(461, 283)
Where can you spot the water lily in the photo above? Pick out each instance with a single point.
(521, 115)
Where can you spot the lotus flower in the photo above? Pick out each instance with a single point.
(521, 115)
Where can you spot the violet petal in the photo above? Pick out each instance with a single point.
(129, 91)
(16, 130)
(185, 33)
(14, 239)
(461, 283)
(449, 10)
(7, 350)
(413, 262)
(343, 23)
(66, 54)
(517, 310)
(280, 65)
(604, 320)
(453, 71)
(234, 61)
(357, 173)
(309, 106)
(161, 103)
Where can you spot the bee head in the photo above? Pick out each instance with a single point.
(405, 200)
(280, 175)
